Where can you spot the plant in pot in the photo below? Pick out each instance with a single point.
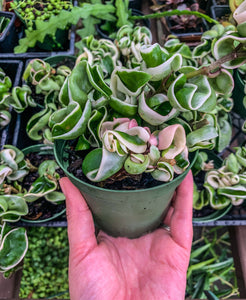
(6, 85)
(8, 35)
(29, 193)
(13, 241)
(37, 97)
(31, 174)
(140, 116)
(47, 21)
(219, 185)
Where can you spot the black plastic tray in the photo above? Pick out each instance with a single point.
(42, 54)
(13, 69)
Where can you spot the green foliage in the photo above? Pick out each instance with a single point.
(45, 269)
(211, 266)
(61, 21)
(3, 24)
(38, 10)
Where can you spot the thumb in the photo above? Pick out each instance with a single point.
(81, 230)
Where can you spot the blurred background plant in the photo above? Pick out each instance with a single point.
(211, 265)
(45, 268)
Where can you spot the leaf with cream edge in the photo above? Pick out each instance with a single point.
(134, 139)
(12, 207)
(136, 163)
(172, 140)
(37, 124)
(13, 247)
(128, 81)
(239, 14)
(13, 166)
(192, 94)
(126, 85)
(202, 138)
(5, 118)
(223, 83)
(70, 122)
(46, 184)
(158, 62)
(163, 172)
(241, 155)
(215, 201)
(156, 110)
(21, 98)
(36, 71)
(227, 45)
(101, 164)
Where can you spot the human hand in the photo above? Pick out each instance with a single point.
(150, 267)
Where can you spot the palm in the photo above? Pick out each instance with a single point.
(150, 267)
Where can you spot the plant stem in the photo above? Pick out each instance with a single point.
(215, 66)
(173, 13)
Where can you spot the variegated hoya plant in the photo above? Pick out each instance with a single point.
(14, 198)
(137, 105)
(224, 185)
(141, 106)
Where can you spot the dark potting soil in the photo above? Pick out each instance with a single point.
(40, 209)
(120, 181)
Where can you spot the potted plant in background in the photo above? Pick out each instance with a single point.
(45, 25)
(8, 35)
(11, 72)
(29, 194)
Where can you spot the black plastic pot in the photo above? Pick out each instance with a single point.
(13, 69)
(41, 50)
(220, 12)
(20, 137)
(192, 36)
(238, 94)
(61, 215)
(136, 4)
(8, 38)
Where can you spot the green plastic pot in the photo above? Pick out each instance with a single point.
(123, 213)
(238, 94)
(42, 150)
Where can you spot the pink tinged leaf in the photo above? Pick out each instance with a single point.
(173, 135)
(133, 123)
(153, 140)
(110, 125)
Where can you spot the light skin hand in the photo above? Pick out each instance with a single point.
(151, 267)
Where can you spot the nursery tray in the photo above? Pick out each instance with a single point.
(13, 69)
(42, 54)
